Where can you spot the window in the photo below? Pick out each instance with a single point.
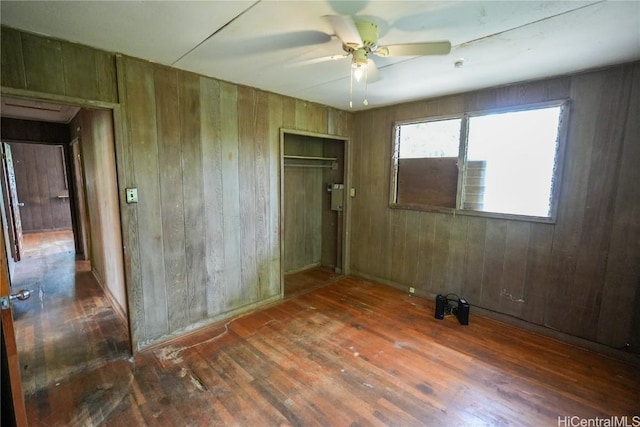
(499, 163)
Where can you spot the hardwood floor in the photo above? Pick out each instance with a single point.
(67, 334)
(307, 280)
(349, 353)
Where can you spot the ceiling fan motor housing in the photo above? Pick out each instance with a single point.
(359, 58)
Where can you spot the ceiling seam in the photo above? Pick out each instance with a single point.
(532, 22)
(507, 30)
(217, 31)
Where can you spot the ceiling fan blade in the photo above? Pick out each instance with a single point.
(345, 29)
(318, 60)
(414, 49)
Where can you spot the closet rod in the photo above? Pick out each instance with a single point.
(298, 165)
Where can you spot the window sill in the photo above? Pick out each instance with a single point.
(464, 212)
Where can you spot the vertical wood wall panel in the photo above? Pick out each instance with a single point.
(457, 253)
(125, 167)
(143, 136)
(440, 254)
(171, 194)
(261, 189)
(303, 205)
(218, 177)
(44, 188)
(410, 248)
(43, 65)
(40, 64)
(232, 225)
(276, 119)
(494, 255)
(594, 244)
(424, 260)
(560, 275)
(80, 70)
(475, 253)
(515, 267)
(586, 91)
(536, 281)
(13, 74)
(619, 299)
(193, 194)
(247, 173)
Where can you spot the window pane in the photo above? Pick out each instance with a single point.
(511, 159)
(430, 139)
(427, 156)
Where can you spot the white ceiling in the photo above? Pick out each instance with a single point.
(17, 108)
(268, 44)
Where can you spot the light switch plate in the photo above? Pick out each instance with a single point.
(132, 195)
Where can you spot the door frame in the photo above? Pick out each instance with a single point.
(346, 212)
(118, 146)
(9, 347)
(12, 213)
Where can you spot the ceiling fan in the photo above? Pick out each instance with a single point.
(360, 40)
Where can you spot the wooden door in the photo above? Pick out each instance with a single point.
(41, 179)
(14, 204)
(11, 382)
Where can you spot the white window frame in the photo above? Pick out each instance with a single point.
(563, 126)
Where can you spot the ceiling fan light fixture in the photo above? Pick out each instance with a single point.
(358, 72)
(359, 63)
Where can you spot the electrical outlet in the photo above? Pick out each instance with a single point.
(412, 290)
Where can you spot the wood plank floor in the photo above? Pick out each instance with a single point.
(67, 334)
(307, 280)
(350, 353)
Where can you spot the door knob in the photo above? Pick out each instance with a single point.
(5, 302)
(21, 295)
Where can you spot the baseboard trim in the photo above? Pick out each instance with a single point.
(120, 313)
(306, 267)
(514, 321)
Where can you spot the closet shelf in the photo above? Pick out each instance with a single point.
(324, 159)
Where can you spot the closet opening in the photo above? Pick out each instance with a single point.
(315, 199)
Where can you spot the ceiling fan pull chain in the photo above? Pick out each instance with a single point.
(351, 89)
(366, 85)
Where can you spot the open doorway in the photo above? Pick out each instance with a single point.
(71, 251)
(314, 204)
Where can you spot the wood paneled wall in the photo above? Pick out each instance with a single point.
(94, 130)
(580, 275)
(332, 221)
(45, 65)
(32, 131)
(42, 186)
(303, 204)
(204, 240)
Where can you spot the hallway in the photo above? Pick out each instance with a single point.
(69, 337)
